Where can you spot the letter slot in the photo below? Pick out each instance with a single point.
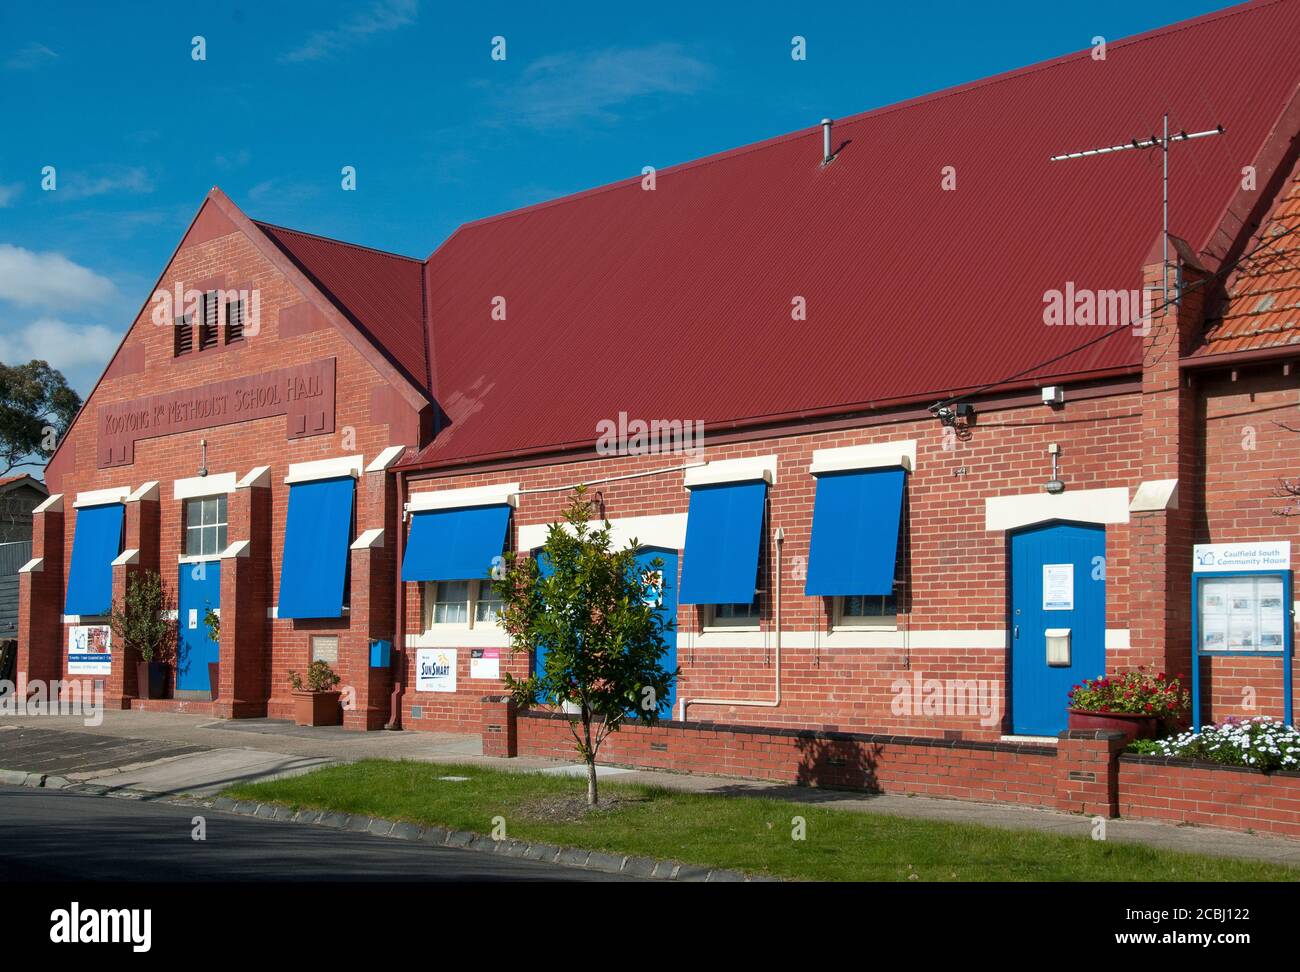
(1058, 647)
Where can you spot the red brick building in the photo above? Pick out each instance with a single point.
(962, 467)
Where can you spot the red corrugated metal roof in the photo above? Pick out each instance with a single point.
(1262, 309)
(381, 292)
(676, 303)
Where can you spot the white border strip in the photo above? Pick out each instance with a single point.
(876, 455)
(199, 486)
(732, 471)
(306, 472)
(1083, 505)
(667, 530)
(53, 504)
(102, 497)
(450, 499)
(369, 539)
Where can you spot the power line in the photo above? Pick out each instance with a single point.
(1121, 329)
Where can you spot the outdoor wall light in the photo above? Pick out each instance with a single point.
(1054, 485)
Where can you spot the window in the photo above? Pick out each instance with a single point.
(866, 611)
(487, 605)
(456, 602)
(183, 338)
(208, 329)
(205, 526)
(234, 321)
(325, 648)
(732, 615)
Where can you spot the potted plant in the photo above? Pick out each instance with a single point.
(140, 623)
(315, 702)
(1135, 703)
(213, 621)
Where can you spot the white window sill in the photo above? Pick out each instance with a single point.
(455, 636)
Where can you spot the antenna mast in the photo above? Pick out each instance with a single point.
(1163, 141)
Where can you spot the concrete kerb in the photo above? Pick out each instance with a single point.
(643, 868)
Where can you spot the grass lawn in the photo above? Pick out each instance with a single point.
(746, 833)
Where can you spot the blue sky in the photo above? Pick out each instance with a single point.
(408, 93)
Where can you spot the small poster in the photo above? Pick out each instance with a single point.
(90, 649)
(435, 670)
(485, 663)
(1058, 587)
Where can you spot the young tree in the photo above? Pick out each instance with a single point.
(36, 408)
(594, 613)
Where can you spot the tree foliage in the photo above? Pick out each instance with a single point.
(141, 621)
(594, 615)
(36, 408)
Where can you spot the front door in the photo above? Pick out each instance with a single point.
(1058, 585)
(199, 591)
(666, 591)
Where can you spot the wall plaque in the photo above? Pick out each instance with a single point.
(304, 394)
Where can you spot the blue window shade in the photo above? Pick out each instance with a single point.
(855, 532)
(314, 568)
(723, 530)
(456, 544)
(95, 545)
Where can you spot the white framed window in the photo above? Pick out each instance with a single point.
(205, 526)
(460, 604)
(487, 605)
(733, 617)
(865, 612)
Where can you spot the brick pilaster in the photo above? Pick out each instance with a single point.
(40, 598)
(142, 517)
(1162, 540)
(245, 599)
(1087, 771)
(500, 726)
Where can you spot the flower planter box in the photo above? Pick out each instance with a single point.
(317, 708)
(1131, 724)
(151, 679)
(214, 679)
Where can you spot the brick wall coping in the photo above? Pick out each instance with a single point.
(829, 735)
(1178, 761)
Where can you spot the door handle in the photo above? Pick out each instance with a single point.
(1016, 633)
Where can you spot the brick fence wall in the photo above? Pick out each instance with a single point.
(1085, 772)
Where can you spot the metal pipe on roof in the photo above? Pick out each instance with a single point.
(826, 139)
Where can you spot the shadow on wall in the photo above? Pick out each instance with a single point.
(825, 761)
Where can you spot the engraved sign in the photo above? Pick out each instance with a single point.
(303, 393)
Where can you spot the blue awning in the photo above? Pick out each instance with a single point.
(723, 530)
(316, 538)
(95, 545)
(459, 544)
(855, 532)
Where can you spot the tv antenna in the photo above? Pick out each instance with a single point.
(1162, 142)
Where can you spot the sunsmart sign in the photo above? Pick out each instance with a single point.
(1268, 555)
(303, 393)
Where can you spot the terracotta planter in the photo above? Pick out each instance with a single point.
(214, 679)
(151, 679)
(1133, 725)
(317, 708)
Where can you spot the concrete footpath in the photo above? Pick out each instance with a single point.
(171, 755)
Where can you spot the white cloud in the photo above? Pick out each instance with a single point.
(48, 279)
(79, 185)
(9, 192)
(65, 346)
(31, 55)
(380, 17)
(565, 89)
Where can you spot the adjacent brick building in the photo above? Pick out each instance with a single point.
(924, 472)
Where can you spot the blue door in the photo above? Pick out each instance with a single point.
(667, 598)
(1058, 581)
(198, 591)
(666, 588)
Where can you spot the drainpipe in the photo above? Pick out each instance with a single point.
(756, 703)
(399, 622)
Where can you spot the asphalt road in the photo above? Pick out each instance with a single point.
(50, 835)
